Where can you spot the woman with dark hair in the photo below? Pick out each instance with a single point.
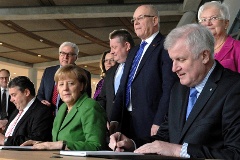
(105, 63)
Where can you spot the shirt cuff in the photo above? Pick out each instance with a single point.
(183, 152)
(135, 147)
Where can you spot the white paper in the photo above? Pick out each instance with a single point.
(16, 147)
(96, 153)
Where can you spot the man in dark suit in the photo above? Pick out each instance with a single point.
(31, 120)
(121, 42)
(152, 80)
(6, 106)
(211, 129)
(68, 54)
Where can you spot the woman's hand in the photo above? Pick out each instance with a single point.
(43, 145)
(30, 143)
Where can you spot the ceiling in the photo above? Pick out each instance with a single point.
(32, 30)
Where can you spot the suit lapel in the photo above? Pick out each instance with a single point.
(128, 65)
(52, 82)
(203, 98)
(149, 51)
(26, 115)
(183, 103)
(112, 78)
(68, 118)
(225, 49)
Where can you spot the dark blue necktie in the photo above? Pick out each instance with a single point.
(133, 70)
(191, 100)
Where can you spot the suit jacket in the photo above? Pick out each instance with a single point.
(83, 128)
(45, 90)
(229, 55)
(107, 93)
(212, 129)
(150, 88)
(36, 124)
(11, 106)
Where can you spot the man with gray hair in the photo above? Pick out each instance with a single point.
(47, 92)
(204, 116)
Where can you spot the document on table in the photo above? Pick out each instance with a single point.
(96, 153)
(16, 148)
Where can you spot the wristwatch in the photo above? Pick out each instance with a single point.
(64, 143)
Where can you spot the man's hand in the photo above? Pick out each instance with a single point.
(3, 124)
(43, 145)
(46, 103)
(2, 138)
(160, 147)
(124, 144)
(29, 143)
(154, 129)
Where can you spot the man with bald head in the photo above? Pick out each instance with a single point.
(143, 96)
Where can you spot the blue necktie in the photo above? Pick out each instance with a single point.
(118, 76)
(191, 100)
(133, 70)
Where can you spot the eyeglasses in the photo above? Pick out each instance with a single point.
(108, 61)
(4, 77)
(140, 18)
(211, 19)
(67, 54)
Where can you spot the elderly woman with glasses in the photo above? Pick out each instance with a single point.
(80, 123)
(215, 16)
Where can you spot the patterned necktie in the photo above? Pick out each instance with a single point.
(4, 101)
(12, 125)
(54, 95)
(133, 70)
(98, 89)
(191, 100)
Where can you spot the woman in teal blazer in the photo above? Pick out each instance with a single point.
(80, 123)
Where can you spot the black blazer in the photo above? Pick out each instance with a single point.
(47, 84)
(36, 124)
(107, 93)
(213, 127)
(11, 106)
(150, 88)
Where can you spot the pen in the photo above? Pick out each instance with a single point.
(118, 139)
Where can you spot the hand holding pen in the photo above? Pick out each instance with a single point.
(118, 139)
(120, 143)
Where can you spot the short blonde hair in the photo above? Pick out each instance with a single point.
(73, 71)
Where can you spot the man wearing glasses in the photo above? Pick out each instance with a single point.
(47, 92)
(143, 96)
(6, 106)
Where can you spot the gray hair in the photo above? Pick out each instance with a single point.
(196, 37)
(223, 9)
(70, 44)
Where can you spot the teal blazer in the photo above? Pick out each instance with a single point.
(83, 128)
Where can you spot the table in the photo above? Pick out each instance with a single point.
(54, 155)
(38, 155)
